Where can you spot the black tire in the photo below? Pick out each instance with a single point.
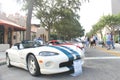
(33, 66)
(8, 61)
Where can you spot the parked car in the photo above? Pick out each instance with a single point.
(60, 43)
(42, 59)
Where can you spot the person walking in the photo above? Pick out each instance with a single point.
(112, 41)
(87, 41)
(95, 39)
(108, 40)
(92, 42)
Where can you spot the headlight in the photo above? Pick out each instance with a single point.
(47, 53)
(48, 64)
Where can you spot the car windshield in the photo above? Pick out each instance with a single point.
(30, 44)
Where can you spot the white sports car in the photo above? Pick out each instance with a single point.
(43, 59)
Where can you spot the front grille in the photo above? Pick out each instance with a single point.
(78, 57)
(66, 64)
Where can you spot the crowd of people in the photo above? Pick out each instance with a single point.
(107, 42)
(91, 41)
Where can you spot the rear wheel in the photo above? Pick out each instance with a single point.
(33, 66)
(8, 61)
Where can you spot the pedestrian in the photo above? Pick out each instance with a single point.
(95, 39)
(108, 40)
(87, 41)
(112, 41)
(92, 41)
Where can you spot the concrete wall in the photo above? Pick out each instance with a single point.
(4, 47)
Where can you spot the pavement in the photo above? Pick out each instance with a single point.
(117, 48)
(3, 57)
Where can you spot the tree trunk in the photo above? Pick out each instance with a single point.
(49, 33)
(101, 34)
(28, 21)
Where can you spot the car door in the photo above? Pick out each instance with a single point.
(14, 53)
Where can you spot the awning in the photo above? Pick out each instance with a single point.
(11, 24)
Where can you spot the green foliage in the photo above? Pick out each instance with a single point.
(53, 37)
(69, 27)
(51, 12)
(109, 21)
(116, 38)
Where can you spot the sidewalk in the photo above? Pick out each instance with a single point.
(3, 57)
(117, 47)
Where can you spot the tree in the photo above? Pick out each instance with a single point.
(69, 28)
(118, 18)
(50, 7)
(45, 12)
(28, 22)
(51, 11)
(29, 7)
(97, 28)
(110, 22)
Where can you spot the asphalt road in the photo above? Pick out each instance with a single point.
(99, 65)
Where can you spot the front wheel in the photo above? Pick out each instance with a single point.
(33, 66)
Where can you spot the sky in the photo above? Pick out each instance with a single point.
(91, 12)
(11, 7)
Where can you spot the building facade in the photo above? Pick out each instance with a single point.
(9, 32)
(13, 28)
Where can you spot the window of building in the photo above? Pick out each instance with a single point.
(1, 34)
(9, 36)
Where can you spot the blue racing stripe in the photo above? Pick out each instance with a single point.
(68, 54)
(73, 51)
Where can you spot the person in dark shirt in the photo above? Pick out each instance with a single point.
(112, 41)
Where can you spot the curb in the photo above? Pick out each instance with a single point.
(2, 63)
(2, 59)
(113, 52)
